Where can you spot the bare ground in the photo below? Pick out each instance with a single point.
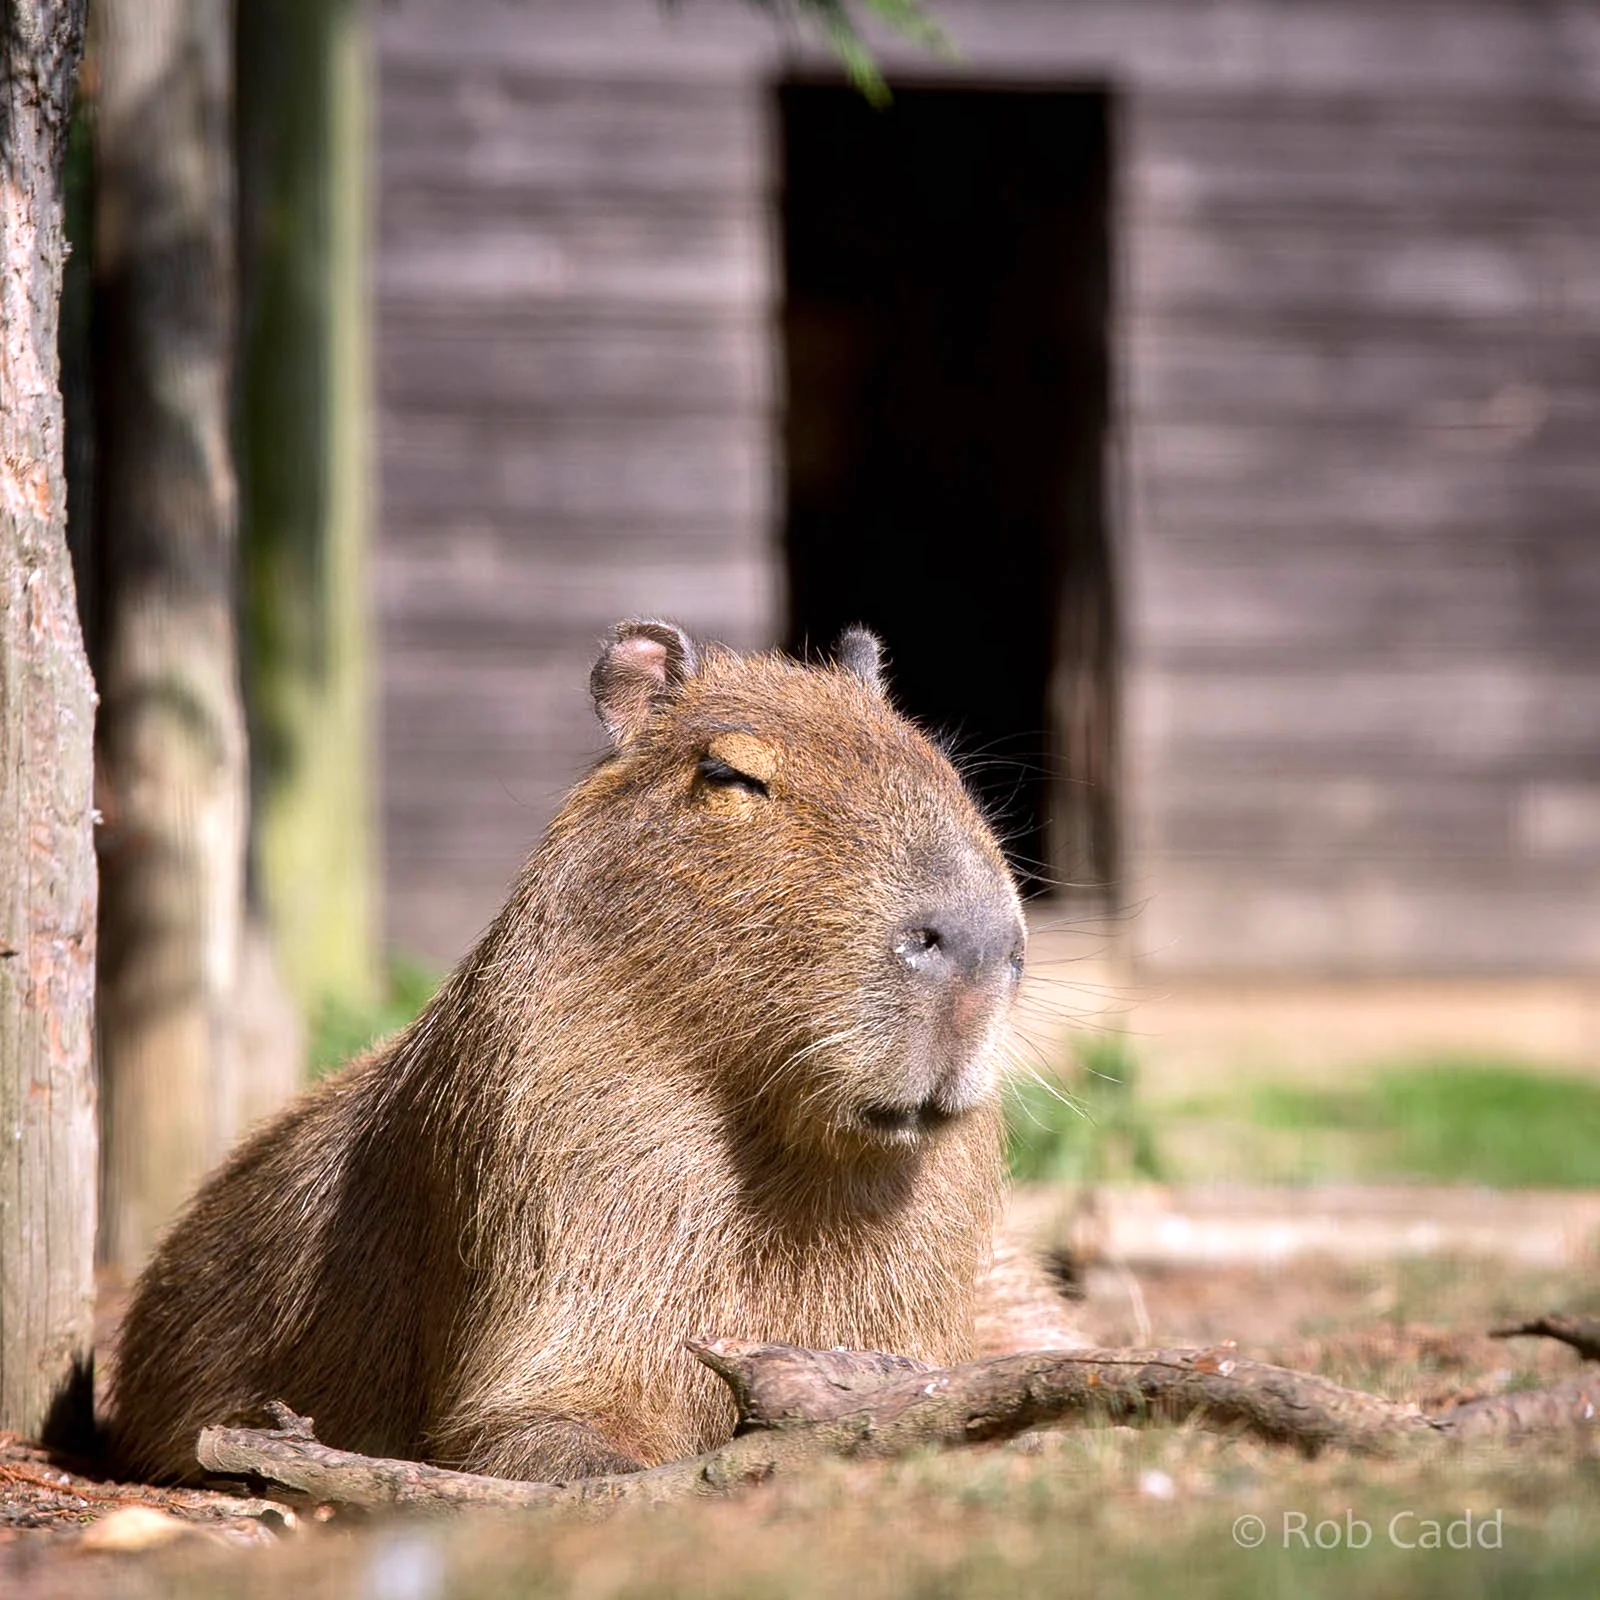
(1100, 1509)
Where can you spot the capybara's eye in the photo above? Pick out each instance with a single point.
(721, 776)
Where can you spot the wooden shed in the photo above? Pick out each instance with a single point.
(1201, 396)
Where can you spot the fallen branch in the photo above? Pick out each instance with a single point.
(779, 1386)
(1582, 1333)
(1525, 1413)
(289, 1453)
(775, 1384)
(798, 1406)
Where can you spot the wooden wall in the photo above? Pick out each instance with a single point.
(1363, 369)
(574, 287)
(1357, 346)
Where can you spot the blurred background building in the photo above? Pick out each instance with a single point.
(1203, 400)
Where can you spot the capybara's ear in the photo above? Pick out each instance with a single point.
(860, 651)
(644, 662)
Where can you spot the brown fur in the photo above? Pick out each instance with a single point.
(632, 1114)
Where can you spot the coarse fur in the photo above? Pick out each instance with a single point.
(692, 1081)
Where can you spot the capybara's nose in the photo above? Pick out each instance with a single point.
(974, 940)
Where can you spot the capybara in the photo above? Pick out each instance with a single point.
(724, 1065)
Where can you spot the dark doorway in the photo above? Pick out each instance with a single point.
(945, 328)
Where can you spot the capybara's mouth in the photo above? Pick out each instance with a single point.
(904, 1123)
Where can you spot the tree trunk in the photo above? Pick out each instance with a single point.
(171, 743)
(47, 870)
(304, 430)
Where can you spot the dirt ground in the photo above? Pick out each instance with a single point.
(1085, 1510)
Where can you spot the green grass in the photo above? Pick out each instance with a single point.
(1086, 1127)
(340, 1030)
(1500, 1123)
(1453, 1121)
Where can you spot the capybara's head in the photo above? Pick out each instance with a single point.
(775, 864)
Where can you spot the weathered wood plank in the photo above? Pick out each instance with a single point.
(476, 358)
(521, 469)
(1197, 367)
(499, 700)
(488, 807)
(523, 134)
(1521, 440)
(1557, 820)
(1473, 715)
(627, 39)
(1216, 158)
(569, 606)
(488, 802)
(1480, 47)
(1543, 273)
(1352, 919)
(1400, 601)
(457, 246)
(1318, 817)
(1201, 476)
(481, 545)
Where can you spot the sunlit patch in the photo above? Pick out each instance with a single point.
(745, 753)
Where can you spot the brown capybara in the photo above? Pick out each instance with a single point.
(725, 1064)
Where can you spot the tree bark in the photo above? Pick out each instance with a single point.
(171, 744)
(47, 869)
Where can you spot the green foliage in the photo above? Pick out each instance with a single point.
(1086, 1127)
(342, 1028)
(836, 19)
(1460, 1121)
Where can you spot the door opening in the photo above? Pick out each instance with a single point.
(947, 281)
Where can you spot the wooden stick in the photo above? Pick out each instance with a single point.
(779, 1386)
(1582, 1333)
(1526, 1413)
(797, 1406)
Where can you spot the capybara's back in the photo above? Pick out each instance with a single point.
(725, 1064)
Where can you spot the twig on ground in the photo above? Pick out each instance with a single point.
(1006, 1395)
(1582, 1333)
(1525, 1413)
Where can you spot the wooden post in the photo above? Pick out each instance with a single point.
(47, 866)
(171, 745)
(304, 432)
